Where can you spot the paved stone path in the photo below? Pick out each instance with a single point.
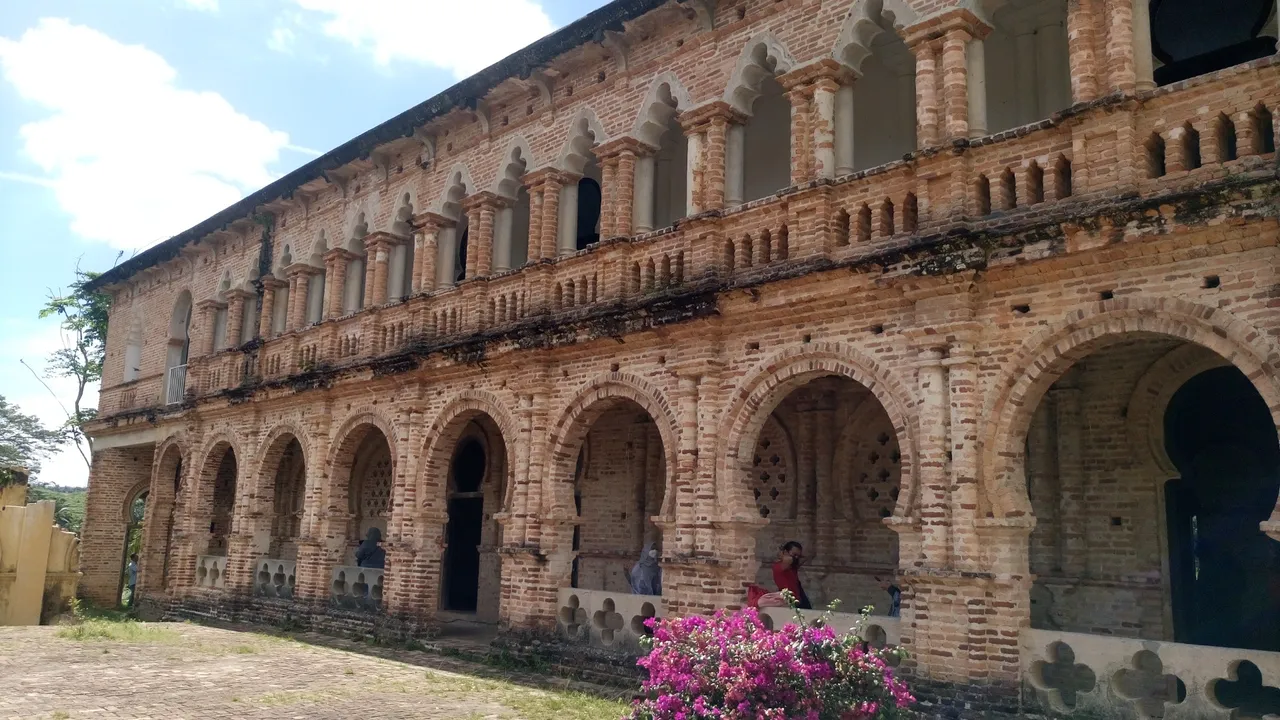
(168, 671)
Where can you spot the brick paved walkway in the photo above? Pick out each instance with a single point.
(189, 671)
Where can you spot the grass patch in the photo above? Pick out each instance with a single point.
(128, 631)
(538, 705)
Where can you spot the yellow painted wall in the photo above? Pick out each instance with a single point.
(38, 561)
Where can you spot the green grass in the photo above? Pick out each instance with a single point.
(538, 705)
(117, 631)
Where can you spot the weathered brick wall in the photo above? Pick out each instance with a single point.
(115, 478)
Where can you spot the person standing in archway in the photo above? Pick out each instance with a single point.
(786, 573)
(369, 554)
(133, 578)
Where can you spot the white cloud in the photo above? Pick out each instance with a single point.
(282, 40)
(131, 157)
(201, 5)
(464, 37)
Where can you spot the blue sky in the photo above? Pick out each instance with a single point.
(122, 123)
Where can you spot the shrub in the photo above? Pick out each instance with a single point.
(731, 667)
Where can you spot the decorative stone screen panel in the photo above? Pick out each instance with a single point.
(773, 481)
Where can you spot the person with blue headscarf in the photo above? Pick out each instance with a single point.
(646, 575)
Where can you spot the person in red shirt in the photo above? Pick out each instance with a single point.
(786, 572)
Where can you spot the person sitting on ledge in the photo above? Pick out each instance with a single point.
(369, 554)
(786, 573)
(646, 575)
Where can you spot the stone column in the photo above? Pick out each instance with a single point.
(237, 304)
(550, 225)
(482, 210)
(567, 218)
(977, 87)
(642, 194)
(1080, 51)
(735, 153)
(844, 129)
(1143, 64)
(536, 185)
(503, 221)
(474, 241)
(608, 194)
(426, 258)
(624, 221)
(715, 158)
(824, 127)
(377, 252)
(300, 281)
(415, 273)
(1121, 69)
(926, 93)
(370, 276)
(685, 482)
(800, 95)
(965, 408)
(447, 268)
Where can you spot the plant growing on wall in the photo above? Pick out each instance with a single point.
(731, 667)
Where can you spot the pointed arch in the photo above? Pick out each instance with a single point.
(585, 132)
(443, 436)
(401, 218)
(763, 56)
(864, 23)
(517, 159)
(665, 98)
(458, 185)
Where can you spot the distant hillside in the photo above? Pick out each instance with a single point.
(68, 501)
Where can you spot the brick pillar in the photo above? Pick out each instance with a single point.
(370, 277)
(1081, 39)
(935, 503)
(801, 98)
(237, 306)
(609, 195)
(336, 261)
(269, 287)
(955, 82)
(626, 181)
(926, 92)
(113, 474)
(415, 273)
(550, 225)
(715, 166)
(300, 279)
(1121, 72)
(965, 401)
(536, 191)
(824, 127)
(715, 162)
(377, 252)
(481, 211)
(695, 131)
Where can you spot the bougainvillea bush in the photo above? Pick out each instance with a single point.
(731, 667)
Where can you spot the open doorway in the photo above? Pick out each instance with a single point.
(466, 524)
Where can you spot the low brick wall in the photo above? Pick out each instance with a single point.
(293, 615)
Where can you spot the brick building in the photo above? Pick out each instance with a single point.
(978, 297)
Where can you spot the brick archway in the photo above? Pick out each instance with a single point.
(167, 475)
(771, 382)
(351, 436)
(1150, 399)
(1045, 357)
(570, 431)
(442, 439)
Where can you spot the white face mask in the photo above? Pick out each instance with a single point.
(653, 553)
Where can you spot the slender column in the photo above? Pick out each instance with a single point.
(935, 515)
(483, 249)
(687, 465)
(1143, 65)
(426, 259)
(955, 81)
(926, 94)
(502, 239)
(623, 223)
(642, 194)
(977, 87)
(415, 276)
(1080, 43)
(694, 174)
(302, 287)
(269, 287)
(962, 391)
(567, 230)
(844, 129)
(824, 127)
(378, 257)
(1073, 539)
(370, 276)
(236, 300)
(446, 269)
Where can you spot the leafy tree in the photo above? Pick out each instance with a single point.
(24, 440)
(84, 315)
(68, 503)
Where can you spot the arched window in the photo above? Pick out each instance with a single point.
(400, 267)
(316, 286)
(1192, 37)
(589, 200)
(179, 347)
(353, 295)
(766, 160)
(876, 117)
(511, 226)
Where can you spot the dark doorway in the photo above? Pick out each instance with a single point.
(466, 521)
(1224, 572)
(589, 201)
(1193, 37)
(460, 269)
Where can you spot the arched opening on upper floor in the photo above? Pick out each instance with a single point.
(319, 278)
(758, 153)
(826, 471)
(1150, 461)
(178, 348)
(511, 233)
(400, 264)
(1186, 38)
(590, 199)
(661, 194)
(881, 104)
(580, 202)
(220, 312)
(1028, 66)
(451, 248)
(280, 295)
(354, 284)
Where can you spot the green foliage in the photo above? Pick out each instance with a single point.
(83, 314)
(24, 440)
(68, 503)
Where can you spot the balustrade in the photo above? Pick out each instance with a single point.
(274, 578)
(211, 571)
(356, 588)
(606, 619)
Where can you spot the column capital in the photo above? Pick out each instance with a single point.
(694, 120)
(338, 254)
(428, 221)
(212, 304)
(238, 293)
(938, 26)
(810, 74)
(382, 240)
(271, 282)
(618, 146)
(485, 198)
(549, 175)
(301, 268)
